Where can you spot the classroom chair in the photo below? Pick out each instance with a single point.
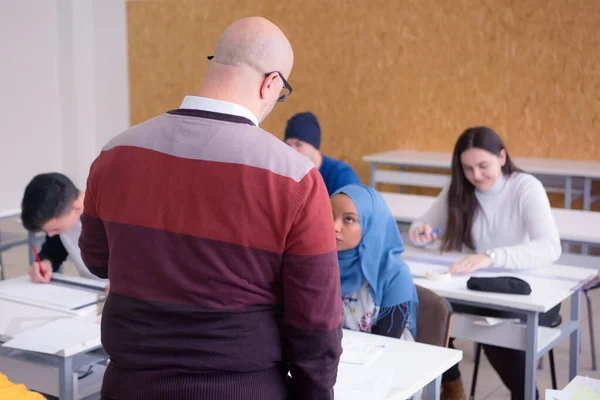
(434, 318)
(478, 349)
(9, 240)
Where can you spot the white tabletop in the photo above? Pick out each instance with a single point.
(550, 285)
(17, 315)
(548, 166)
(573, 225)
(427, 362)
(414, 365)
(577, 225)
(407, 208)
(10, 213)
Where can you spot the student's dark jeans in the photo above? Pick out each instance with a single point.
(508, 363)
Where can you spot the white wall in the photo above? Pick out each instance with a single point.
(64, 88)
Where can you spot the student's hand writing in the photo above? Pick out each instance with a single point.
(107, 289)
(423, 234)
(470, 264)
(36, 276)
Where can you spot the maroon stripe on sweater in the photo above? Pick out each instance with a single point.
(93, 240)
(157, 347)
(205, 273)
(307, 306)
(314, 358)
(151, 335)
(156, 265)
(229, 202)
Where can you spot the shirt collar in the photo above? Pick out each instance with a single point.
(218, 106)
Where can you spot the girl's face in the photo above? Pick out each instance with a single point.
(481, 167)
(345, 220)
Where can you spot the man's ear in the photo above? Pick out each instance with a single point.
(267, 85)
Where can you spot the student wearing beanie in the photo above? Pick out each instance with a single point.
(303, 134)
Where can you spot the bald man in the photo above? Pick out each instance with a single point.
(218, 240)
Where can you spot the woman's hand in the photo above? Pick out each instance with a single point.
(423, 234)
(470, 264)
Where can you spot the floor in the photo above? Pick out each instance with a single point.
(489, 385)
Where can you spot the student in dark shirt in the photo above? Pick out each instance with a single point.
(303, 134)
(53, 204)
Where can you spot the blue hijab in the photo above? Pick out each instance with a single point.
(377, 256)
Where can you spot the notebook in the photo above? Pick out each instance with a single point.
(360, 353)
(44, 293)
(56, 336)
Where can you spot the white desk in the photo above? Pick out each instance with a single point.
(414, 365)
(575, 226)
(10, 213)
(566, 170)
(426, 365)
(17, 316)
(550, 286)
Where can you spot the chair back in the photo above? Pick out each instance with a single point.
(434, 318)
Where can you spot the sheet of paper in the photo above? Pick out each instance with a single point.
(360, 353)
(554, 395)
(580, 388)
(55, 336)
(445, 260)
(76, 281)
(359, 382)
(490, 321)
(57, 295)
(16, 317)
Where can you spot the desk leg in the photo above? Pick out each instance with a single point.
(400, 186)
(433, 389)
(587, 194)
(65, 376)
(574, 343)
(373, 167)
(587, 205)
(568, 192)
(530, 355)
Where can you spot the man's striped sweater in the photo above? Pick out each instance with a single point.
(218, 241)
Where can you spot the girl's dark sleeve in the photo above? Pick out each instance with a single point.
(392, 324)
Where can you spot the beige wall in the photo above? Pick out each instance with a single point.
(409, 74)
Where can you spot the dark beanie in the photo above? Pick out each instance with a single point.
(304, 126)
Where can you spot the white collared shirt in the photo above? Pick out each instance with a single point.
(218, 106)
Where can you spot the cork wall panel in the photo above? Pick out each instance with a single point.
(409, 74)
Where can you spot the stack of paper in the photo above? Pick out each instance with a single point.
(490, 321)
(580, 388)
(360, 353)
(56, 295)
(356, 382)
(56, 336)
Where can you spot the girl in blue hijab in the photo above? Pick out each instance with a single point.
(378, 292)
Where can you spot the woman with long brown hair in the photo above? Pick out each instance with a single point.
(502, 216)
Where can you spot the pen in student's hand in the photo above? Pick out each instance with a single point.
(37, 257)
(436, 231)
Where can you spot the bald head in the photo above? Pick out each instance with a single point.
(255, 42)
(245, 69)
